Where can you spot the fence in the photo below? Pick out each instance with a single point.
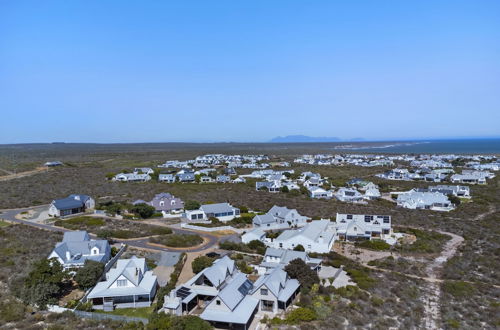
(103, 316)
(112, 261)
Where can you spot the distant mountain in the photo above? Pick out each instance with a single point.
(303, 139)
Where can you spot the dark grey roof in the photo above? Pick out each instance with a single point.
(67, 203)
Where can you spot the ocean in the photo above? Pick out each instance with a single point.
(470, 146)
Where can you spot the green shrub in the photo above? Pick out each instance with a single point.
(377, 245)
(361, 277)
(458, 289)
(78, 222)
(178, 240)
(89, 274)
(200, 263)
(300, 314)
(12, 311)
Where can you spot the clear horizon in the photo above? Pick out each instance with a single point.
(132, 72)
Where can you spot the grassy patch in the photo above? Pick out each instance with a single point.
(458, 289)
(400, 265)
(79, 222)
(377, 245)
(4, 223)
(144, 312)
(177, 240)
(427, 241)
(111, 228)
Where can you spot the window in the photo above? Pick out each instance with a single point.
(121, 283)
(162, 203)
(263, 292)
(349, 216)
(217, 302)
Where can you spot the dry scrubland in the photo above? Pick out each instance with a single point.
(390, 299)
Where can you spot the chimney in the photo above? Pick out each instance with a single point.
(68, 255)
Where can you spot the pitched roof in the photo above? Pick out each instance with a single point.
(278, 282)
(67, 203)
(234, 292)
(135, 270)
(76, 236)
(263, 219)
(217, 208)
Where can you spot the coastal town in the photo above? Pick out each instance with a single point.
(231, 265)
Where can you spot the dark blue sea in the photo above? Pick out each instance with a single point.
(470, 146)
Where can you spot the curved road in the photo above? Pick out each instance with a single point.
(141, 243)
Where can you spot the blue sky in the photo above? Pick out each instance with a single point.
(158, 71)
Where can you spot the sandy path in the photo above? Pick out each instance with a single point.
(23, 174)
(187, 270)
(432, 313)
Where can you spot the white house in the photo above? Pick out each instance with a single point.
(279, 258)
(459, 191)
(222, 211)
(372, 193)
(270, 186)
(318, 192)
(253, 235)
(424, 200)
(354, 227)
(129, 285)
(220, 291)
(169, 178)
(472, 177)
(77, 247)
(279, 217)
(144, 170)
(132, 177)
(275, 291)
(233, 307)
(317, 236)
(348, 195)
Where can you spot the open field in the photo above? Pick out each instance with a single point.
(476, 262)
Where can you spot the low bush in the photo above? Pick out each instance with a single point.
(458, 289)
(78, 222)
(177, 240)
(377, 245)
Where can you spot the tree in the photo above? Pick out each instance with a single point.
(43, 285)
(257, 246)
(200, 263)
(89, 274)
(454, 199)
(243, 209)
(299, 247)
(191, 205)
(284, 189)
(143, 210)
(298, 269)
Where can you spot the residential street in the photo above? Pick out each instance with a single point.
(140, 243)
